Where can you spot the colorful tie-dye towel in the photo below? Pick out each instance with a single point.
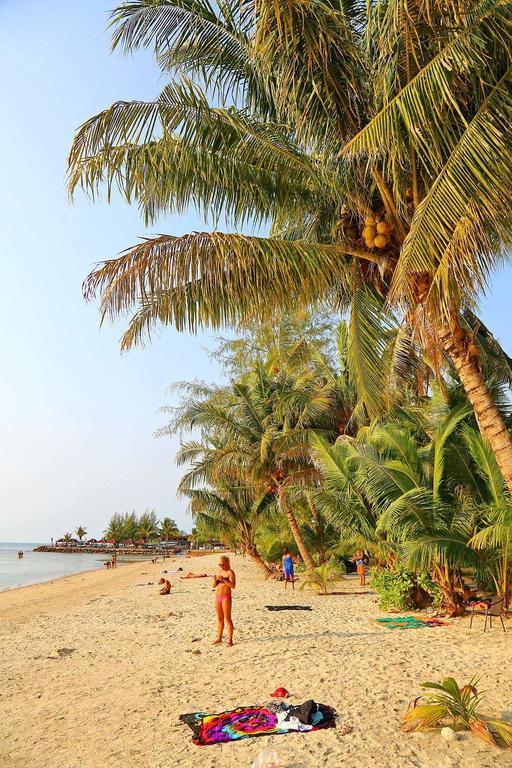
(244, 722)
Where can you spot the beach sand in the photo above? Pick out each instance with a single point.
(114, 696)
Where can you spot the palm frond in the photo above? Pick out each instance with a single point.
(216, 279)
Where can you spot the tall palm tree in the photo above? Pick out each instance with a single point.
(376, 142)
(245, 438)
(81, 532)
(168, 529)
(148, 525)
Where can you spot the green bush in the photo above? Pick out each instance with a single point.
(424, 581)
(400, 590)
(395, 588)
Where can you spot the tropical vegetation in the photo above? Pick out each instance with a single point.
(284, 455)
(448, 704)
(371, 141)
(146, 527)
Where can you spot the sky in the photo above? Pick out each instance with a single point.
(77, 418)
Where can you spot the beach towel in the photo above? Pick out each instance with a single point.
(411, 622)
(288, 608)
(244, 722)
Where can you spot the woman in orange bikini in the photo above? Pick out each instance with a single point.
(223, 583)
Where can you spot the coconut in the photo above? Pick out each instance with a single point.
(370, 220)
(369, 233)
(391, 224)
(382, 227)
(381, 241)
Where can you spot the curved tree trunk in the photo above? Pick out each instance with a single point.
(253, 553)
(489, 419)
(297, 535)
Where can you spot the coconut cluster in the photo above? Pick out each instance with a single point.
(377, 231)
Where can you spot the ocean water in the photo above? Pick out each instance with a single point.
(39, 566)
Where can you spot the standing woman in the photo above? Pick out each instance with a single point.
(223, 584)
(288, 573)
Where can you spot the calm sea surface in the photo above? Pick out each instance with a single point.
(39, 566)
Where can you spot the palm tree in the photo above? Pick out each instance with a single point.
(495, 536)
(116, 529)
(231, 509)
(399, 479)
(80, 532)
(323, 576)
(376, 143)
(247, 443)
(67, 537)
(148, 525)
(168, 529)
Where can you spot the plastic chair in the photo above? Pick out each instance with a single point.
(495, 608)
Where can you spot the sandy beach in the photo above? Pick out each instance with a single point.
(96, 668)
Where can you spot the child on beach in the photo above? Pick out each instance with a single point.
(166, 586)
(223, 584)
(360, 559)
(288, 572)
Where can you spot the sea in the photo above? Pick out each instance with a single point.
(36, 567)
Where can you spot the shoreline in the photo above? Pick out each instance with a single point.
(97, 667)
(66, 576)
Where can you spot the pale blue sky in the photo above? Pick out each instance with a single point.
(77, 419)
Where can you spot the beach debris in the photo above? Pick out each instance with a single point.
(344, 728)
(446, 701)
(266, 759)
(65, 651)
(196, 640)
(449, 734)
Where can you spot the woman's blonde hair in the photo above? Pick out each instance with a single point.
(225, 559)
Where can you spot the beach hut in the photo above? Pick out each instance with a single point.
(111, 543)
(101, 543)
(91, 542)
(140, 543)
(128, 543)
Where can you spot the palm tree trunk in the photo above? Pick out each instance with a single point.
(297, 535)
(489, 419)
(253, 553)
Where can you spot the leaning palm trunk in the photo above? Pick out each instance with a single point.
(489, 419)
(253, 553)
(297, 535)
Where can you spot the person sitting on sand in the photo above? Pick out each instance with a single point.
(288, 572)
(166, 588)
(224, 583)
(191, 575)
(108, 565)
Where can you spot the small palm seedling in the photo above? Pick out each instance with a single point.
(323, 576)
(447, 704)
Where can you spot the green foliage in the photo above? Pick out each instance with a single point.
(446, 703)
(168, 528)
(323, 576)
(81, 532)
(395, 588)
(424, 581)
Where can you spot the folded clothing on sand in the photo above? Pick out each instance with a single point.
(288, 608)
(273, 719)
